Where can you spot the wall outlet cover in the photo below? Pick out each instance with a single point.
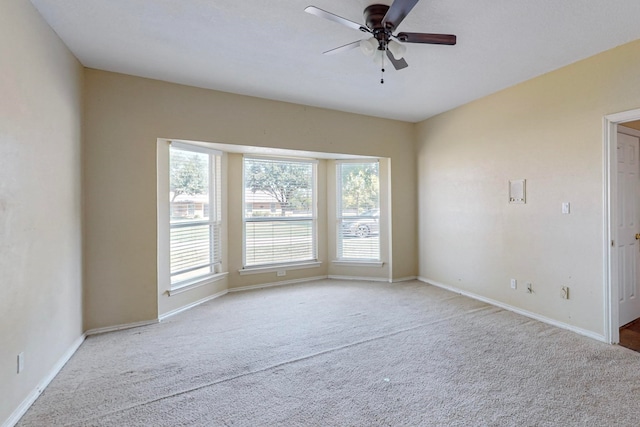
(20, 362)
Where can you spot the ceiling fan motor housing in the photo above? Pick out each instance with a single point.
(373, 16)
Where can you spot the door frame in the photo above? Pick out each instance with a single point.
(610, 187)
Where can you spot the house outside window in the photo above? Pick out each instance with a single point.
(279, 221)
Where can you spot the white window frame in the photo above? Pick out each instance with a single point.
(214, 222)
(339, 218)
(312, 262)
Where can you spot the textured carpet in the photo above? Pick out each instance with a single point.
(344, 353)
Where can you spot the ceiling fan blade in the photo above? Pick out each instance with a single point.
(335, 18)
(343, 48)
(448, 39)
(397, 12)
(398, 64)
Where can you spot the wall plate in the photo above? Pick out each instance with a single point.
(517, 191)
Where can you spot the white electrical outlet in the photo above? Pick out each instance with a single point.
(514, 283)
(281, 273)
(20, 362)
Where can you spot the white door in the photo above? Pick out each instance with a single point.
(628, 247)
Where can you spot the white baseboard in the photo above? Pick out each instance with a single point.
(530, 314)
(120, 327)
(364, 279)
(193, 304)
(272, 284)
(404, 279)
(26, 403)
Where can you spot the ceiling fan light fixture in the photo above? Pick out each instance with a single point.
(378, 56)
(397, 49)
(369, 46)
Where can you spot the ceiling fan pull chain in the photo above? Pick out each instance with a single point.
(382, 71)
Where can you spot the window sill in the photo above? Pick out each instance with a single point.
(281, 267)
(357, 263)
(184, 287)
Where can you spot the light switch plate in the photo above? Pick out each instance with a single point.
(517, 191)
(566, 207)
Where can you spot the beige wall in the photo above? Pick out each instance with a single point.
(125, 116)
(549, 131)
(40, 201)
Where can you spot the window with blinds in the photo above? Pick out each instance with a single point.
(195, 210)
(358, 208)
(279, 211)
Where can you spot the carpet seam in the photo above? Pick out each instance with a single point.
(487, 308)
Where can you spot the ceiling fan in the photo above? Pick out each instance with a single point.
(381, 21)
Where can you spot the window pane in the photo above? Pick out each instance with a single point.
(190, 247)
(189, 185)
(359, 188)
(358, 211)
(358, 241)
(276, 188)
(269, 242)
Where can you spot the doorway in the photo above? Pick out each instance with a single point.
(622, 221)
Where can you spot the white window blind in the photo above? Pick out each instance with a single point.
(358, 206)
(279, 211)
(195, 210)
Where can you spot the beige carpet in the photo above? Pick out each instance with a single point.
(344, 354)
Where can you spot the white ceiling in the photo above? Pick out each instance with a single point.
(273, 49)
